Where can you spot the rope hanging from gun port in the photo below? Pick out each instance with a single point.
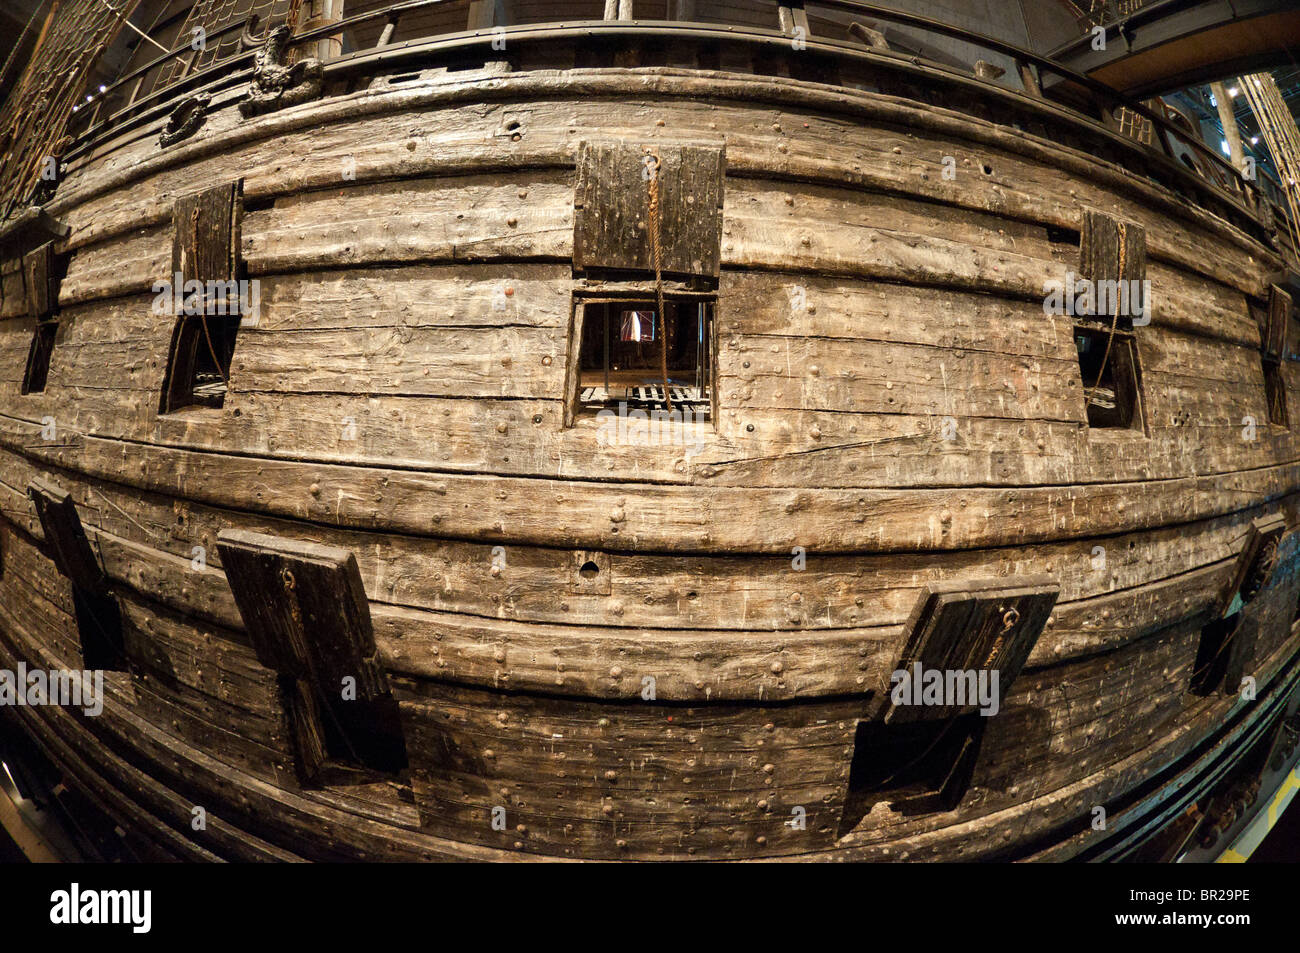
(1114, 324)
(656, 249)
(203, 313)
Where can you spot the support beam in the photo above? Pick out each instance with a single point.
(1029, 79)
(868, 37)
(618, 10)
(321, 13)
(1230, 130)
(485, 14)
(792, 16)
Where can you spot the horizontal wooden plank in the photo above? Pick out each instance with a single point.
(657, 517)
(890, 144)
(843, 612)
(875, 839)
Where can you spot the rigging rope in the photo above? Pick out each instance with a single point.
(4, 71)
(117, 13)
(203, 315)
(1114, 324)
(1278, 127)
(657, 252)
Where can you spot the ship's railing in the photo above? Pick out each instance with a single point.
(1106, 104)
(1070, 92)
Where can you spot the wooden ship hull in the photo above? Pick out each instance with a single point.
(570, 641)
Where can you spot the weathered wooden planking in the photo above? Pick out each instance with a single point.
(1170, 353)
(485, 362)
(306, 611)
(1020, 176)
(448, 362)
(1192, 304)
(470, 218)
(612, 222)
(238, 729)
(285, 817)
(44, 606)
(1231, 407)
(664, 589)
(128, 264)
(106, 792)
(41, 281)
(1111, 250)
(558, 659)
(204, 661)
(971, 625)
(65, 535)
(85, 326)
(785, 448)
(100, 366)
(233, 723)
(206, 234)
(490, 751)
(104, 408)
(140, 798)
(1274, 334)
(1048, 808)
(801, 239)
(723, 665)
(632, 781)
(1138, 668)
(816, 306)
(1256, 562)
(597, 516)
(1241, 735)
(497, 295)
(610, 663)
(1235, 399)
(869, 377)
(227, 735)
(13, 289)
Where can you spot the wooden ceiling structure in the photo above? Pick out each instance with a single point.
(1156, 46)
